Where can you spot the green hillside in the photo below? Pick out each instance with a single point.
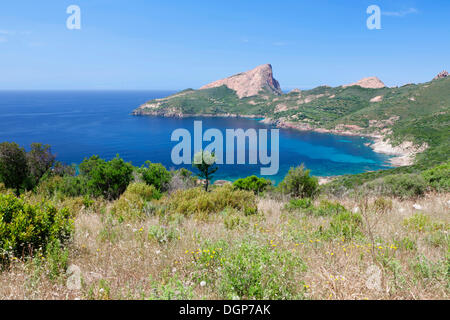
(415, 112)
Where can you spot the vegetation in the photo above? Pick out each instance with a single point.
(204, 162)
(26, 228)
(416, 112)
(298, 183)
(106, 178)
(13, 166)
(155, 174)
(252, 183)
(167, 238)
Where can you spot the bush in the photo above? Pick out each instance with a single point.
(40, 160)
(253, 271)
(25, 228)
(108, 179)
(181, 179)
(201, 203)
(156, 174)
(298, 183)
(252, 183)
(67, 186)
(132, 203)
(346, 224)
(295, 204)
(421, 222)
(398, 185)
(13, 166)
(438, 177)
(3, 188)
(327, 208)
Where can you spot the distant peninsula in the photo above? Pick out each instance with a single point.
(410, 122)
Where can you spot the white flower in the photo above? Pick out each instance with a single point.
(417, 206)
(203, 283)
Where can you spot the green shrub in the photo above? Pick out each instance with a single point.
(298, 183)
(438, 177)
(171, 288)
(25, 228)
(198, 202)
(57, 257)
(254, 271)
(13, 166)
(162, 234)
(108, 179)
(422, 222)
(295, 204)
(66, 186)
(406, 244)
(327, 208)
(156, 174)
(134, 200)
(252, 183)
(3, 188)
(398, 185)
(382, 205)
(40, 160)
(346, 224)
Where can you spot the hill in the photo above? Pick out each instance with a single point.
(405, 121)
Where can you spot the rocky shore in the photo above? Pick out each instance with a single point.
(403, 154)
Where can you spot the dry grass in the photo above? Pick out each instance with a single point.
(119, 260)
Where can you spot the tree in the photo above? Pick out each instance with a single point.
(13, 165)
(204, 161)
(252, 183)
(156, 174)
(298, 183)
(109, 179)
(40, 160)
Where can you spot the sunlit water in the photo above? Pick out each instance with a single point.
(81, 124)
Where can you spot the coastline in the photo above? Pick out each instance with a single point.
(403, 154)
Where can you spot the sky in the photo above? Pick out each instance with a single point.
(173, 45)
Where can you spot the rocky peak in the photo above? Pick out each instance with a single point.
(441, 75)
(250, 83)
(371, 82)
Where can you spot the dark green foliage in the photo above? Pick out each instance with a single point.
(13, 165)
(252, 183)
(327, 208)
(108, 179)
(205, 163)
(438, 177)
(298, 183)
(156, 174)
(295, 204)
(40, 160)
(398, 185)
(346, 224)
(25, 228)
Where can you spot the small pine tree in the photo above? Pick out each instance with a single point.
(204, 161)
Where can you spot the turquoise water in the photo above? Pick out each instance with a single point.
(79, 124)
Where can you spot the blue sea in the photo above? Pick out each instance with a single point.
(78, 124)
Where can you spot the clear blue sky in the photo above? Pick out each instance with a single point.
(145, 44)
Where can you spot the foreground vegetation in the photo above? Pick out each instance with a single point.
(115, 231)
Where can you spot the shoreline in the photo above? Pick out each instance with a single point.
(402, 155)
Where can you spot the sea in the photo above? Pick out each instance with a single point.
(79, 124)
